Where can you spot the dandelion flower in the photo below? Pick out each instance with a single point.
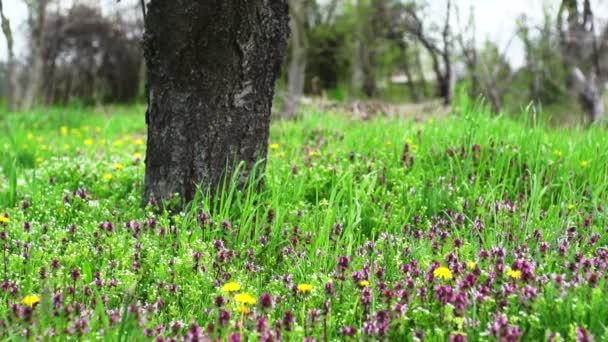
(139, 142)
(472, 265)
(305, 288)
(138, 155)
(30, 300)
(118, 166)
(274, 147)
(88, 142)
(570, 206)
(558, 153)
(244, 298)
(314, 153)
(364, 283)
(442, 273)
(64, 130)
(584, 163)
(515, 274)
(118, 143)
(107, 176)
(231, 287)
(242, 309)
(4, 219)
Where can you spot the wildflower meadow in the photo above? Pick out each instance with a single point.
(472, 227)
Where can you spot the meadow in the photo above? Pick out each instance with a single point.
(470, 227)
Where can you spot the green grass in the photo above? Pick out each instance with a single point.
(398, 198)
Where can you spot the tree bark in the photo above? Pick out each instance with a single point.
(212, 66)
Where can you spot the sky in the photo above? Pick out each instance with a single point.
(495, 19)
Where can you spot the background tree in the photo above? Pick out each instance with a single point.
(299, 11)
(212, 66)
(37, 11)
(582, 55)
(90, 57)
(440, 51)
(14, 93)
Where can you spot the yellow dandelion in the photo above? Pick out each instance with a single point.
(472, 265)
(570, 206)
(39, 160)
(515, 274)
(584, 163)
(558, 153)
(274, 147)
(139, 142)
(118, 166)
(364, 283)
(30, 136)
(64, 130)
(245, 298)
(314, 153)
(30, 300)
(442, 273)
(231, 287)
(243, 310)
(107, 176)
(409, 141)
(88, 142)
(305, 288)
(138, 155)
(4, 219)
(118, 143)
(44, 147)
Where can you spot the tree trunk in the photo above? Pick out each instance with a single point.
(37, 21)
(212, 66)
(13, 75)
(420, 71)
(590, 91)
(297, 64)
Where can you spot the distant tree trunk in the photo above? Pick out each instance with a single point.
(415, 96)
(297, 65)
(440, 55)
(591, 93)
(13, 75)
(212, 66)
(36, 21)
(420, 71)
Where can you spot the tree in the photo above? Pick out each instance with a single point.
(13, 76)
(440, 52)
(299, 10)
(212, 66)
(90, 56)
(37, 10)
(582, 55)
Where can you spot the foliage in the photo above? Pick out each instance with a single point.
(471, 225)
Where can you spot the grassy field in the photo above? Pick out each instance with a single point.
(469, 227)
